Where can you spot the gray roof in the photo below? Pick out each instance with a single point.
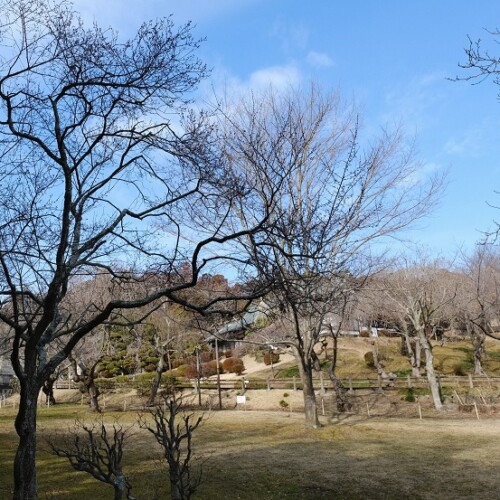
(254, 313)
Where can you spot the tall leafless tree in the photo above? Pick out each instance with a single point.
(478, 301)
(378, 308)
(339, 194)
(97, 144)
(423, 294)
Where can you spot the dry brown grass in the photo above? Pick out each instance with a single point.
(260, 451)
(271, 455)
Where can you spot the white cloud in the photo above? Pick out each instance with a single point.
(319, 59)
(277, 77)
(223, 83)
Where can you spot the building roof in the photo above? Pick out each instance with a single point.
(254, 313)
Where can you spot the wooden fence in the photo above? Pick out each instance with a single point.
(321, 383)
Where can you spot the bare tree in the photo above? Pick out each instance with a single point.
(84, 360)
(478, 300)
(423, 294)
(173, 429)
(97, 145)
(98, 453)
(338, 194)
(341, 395)
(480, 63)
(380, 310)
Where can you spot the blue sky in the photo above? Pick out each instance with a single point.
(392, 56)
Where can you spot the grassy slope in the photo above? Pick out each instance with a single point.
(448, 358)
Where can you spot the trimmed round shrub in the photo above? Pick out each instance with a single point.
(191, 371)
(271, 357)
(233, 365)
(213, 364)
(207, 370)
(206, 356)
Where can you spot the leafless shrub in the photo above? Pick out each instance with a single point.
(99, 453)
(173, 429)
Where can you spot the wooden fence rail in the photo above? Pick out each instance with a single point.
(320, 383)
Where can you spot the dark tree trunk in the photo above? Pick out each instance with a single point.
(306, 374)
(25, 481)
(310, 408)
(121, 488)
(176, 486)
(87, 378)
(48, 389)
(341, 394)
(403, 346)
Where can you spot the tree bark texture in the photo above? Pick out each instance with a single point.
(25, 478)
(431, 374)
(310, 407)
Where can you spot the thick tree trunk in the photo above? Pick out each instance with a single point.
(93, 392)
(431, 374)
(25, 481)
(413, 353)
(310, 408)
(121, 487)
(478, 339)
(176, 487)
(306, 368)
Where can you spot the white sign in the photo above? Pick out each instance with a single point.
(241, 400)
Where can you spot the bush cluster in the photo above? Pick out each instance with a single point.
(270, 357)
(369, 360)
(233, 365)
